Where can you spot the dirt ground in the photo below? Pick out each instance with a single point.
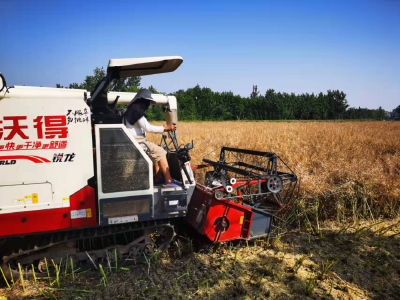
(336, 261)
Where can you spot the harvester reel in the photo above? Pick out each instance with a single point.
(274, 184)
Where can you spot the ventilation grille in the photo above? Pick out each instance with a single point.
(123, 168)
(126, 208)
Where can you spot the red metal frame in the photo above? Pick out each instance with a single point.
(34, 221)
(51, 219)
(84, 199)
(205, 212)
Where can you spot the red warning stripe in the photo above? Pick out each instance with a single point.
(35, 159)
(42, 158)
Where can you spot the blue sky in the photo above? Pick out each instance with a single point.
(290, 46)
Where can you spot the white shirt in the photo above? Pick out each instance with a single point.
(142, 126)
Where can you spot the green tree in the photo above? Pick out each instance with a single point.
(199, 103)
(118, 85)
(337, 104)
(380, 114)
(254, 93)
(153, 90)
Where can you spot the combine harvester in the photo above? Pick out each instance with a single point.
(75, 183)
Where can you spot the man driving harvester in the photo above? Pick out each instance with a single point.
(136, 122)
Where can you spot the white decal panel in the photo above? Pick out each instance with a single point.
(45, 150)
(25, 197)
(78, 214)
(126, 219)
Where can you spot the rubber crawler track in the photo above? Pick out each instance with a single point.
(12, 248)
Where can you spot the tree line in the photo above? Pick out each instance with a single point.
(203, 104)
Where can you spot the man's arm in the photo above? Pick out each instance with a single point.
(147, 127)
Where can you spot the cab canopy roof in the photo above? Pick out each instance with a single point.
(129, 67)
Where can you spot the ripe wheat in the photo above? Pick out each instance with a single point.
(346, 166)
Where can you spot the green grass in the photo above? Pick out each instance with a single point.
(5, 279)
(21, 277)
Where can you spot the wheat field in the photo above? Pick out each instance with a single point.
(348, 167)
(349, 174)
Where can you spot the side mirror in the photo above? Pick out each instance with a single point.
(189, 146)
(2, 82)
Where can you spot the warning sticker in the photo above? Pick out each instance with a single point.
(119, 220)
(31, 199)
(78, 214)
(88, 213)
(65, 202)
(19, 202)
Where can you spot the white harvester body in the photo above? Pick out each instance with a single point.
(46, 144)
(45, 152)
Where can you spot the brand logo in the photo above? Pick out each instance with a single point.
(8, 162)
(63, 157)
(11, 159)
